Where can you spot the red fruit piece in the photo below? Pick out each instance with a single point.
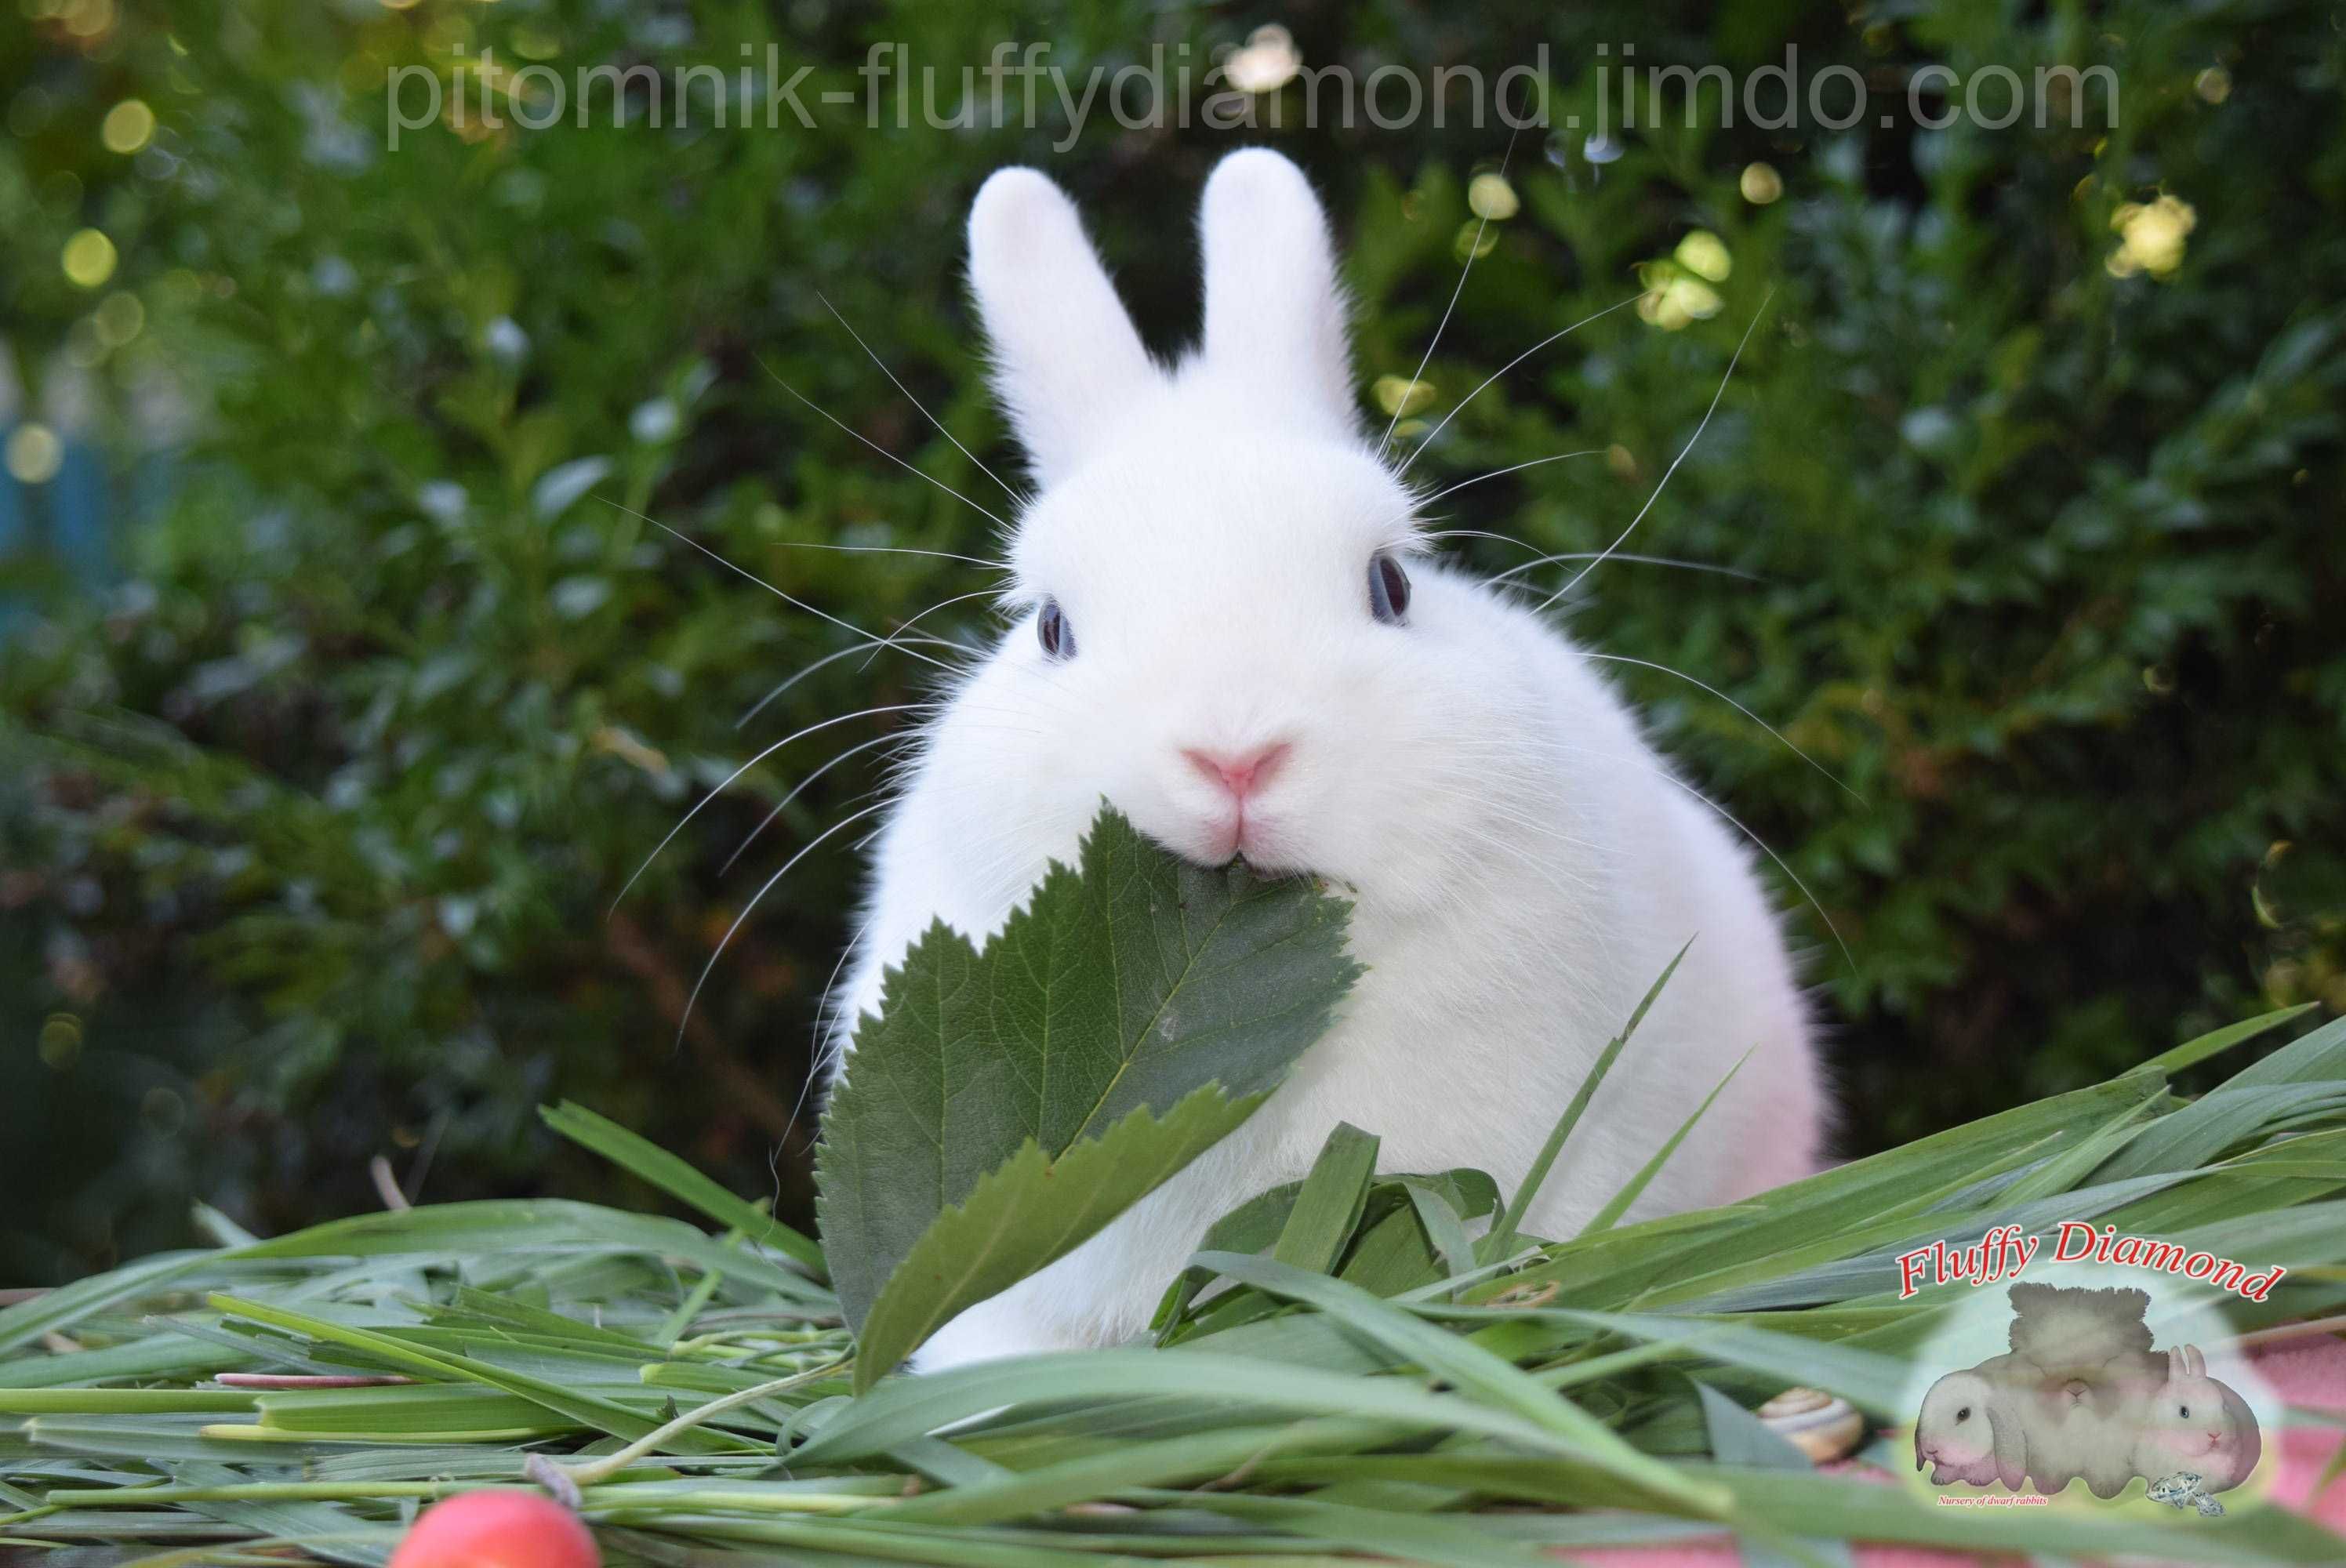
(497, 1529)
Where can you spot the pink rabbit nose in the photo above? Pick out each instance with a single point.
(1241, 773)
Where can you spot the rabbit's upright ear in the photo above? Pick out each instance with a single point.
(2194, 1363)
(1274, 311)
(1067, 363)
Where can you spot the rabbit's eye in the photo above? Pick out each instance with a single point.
(1388, 589)
(2186, 1412)
(1051, 625)
(1964, 1414)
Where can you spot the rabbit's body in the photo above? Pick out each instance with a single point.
(1206, 548)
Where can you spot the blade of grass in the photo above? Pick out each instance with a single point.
(585, 1409)
(1619, 1203)
(1503, 1235)
(1471, 1369)
(1329, 1204)
(2191, 1052)
(651, 1164)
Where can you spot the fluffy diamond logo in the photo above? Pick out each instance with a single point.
(2082, 1394)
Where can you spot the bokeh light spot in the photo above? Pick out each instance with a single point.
(88, 258)
(1399, 396)
(35, 454)
(128, 126)
(1489, 196)
(2151, 236)
(1268, 62)
(1705, 255)
(60, 1042)
(120, 318)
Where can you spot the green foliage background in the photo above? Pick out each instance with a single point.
(310, 820)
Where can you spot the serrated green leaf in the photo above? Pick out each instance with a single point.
(1031, 1211)
(1130, 982)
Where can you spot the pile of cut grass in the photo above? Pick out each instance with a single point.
(692, 1384)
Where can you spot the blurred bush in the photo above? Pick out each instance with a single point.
(311, 822)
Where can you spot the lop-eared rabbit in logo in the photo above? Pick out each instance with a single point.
(2082, 1394)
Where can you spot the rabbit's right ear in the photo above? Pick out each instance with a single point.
(2194, 1362)
(1067, 363)
(1274, 309)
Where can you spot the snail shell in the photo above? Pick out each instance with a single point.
(1818, 1424)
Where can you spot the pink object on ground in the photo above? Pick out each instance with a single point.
(2309, 1373)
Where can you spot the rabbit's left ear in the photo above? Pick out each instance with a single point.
(2010, 1439)
(2194, 1362)
(1274, 311)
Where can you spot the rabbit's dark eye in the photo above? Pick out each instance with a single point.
(1388, 589)
(2186, 1412)
(1964, 1414)
(1051, 625)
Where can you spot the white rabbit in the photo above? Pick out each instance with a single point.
(1956, 1431)
(2191, 1423)
(1228, 628)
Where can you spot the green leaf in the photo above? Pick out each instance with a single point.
(2319, 1055)
(1394, 1254)
(1446, 1228)
(1739, 1437)
(1330, 1205)
(2231, 1117)
(680, 1181)
(1130, 984)
(1031, 1211)
(2217, 1041)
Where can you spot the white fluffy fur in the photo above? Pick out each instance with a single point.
(1521, 864)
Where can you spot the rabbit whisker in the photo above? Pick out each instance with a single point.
(794, 602)
(800, 786)
(1516, 468)
(875, 446)
(1633, 559)
(1732, 820)
(890, 640)
(738, 920)
(979, 560)
(732, 777)
(1015, 499)
(1705, 424)
(1665, 670)
(1503, 370)
(1473, 251)
(831, 658)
